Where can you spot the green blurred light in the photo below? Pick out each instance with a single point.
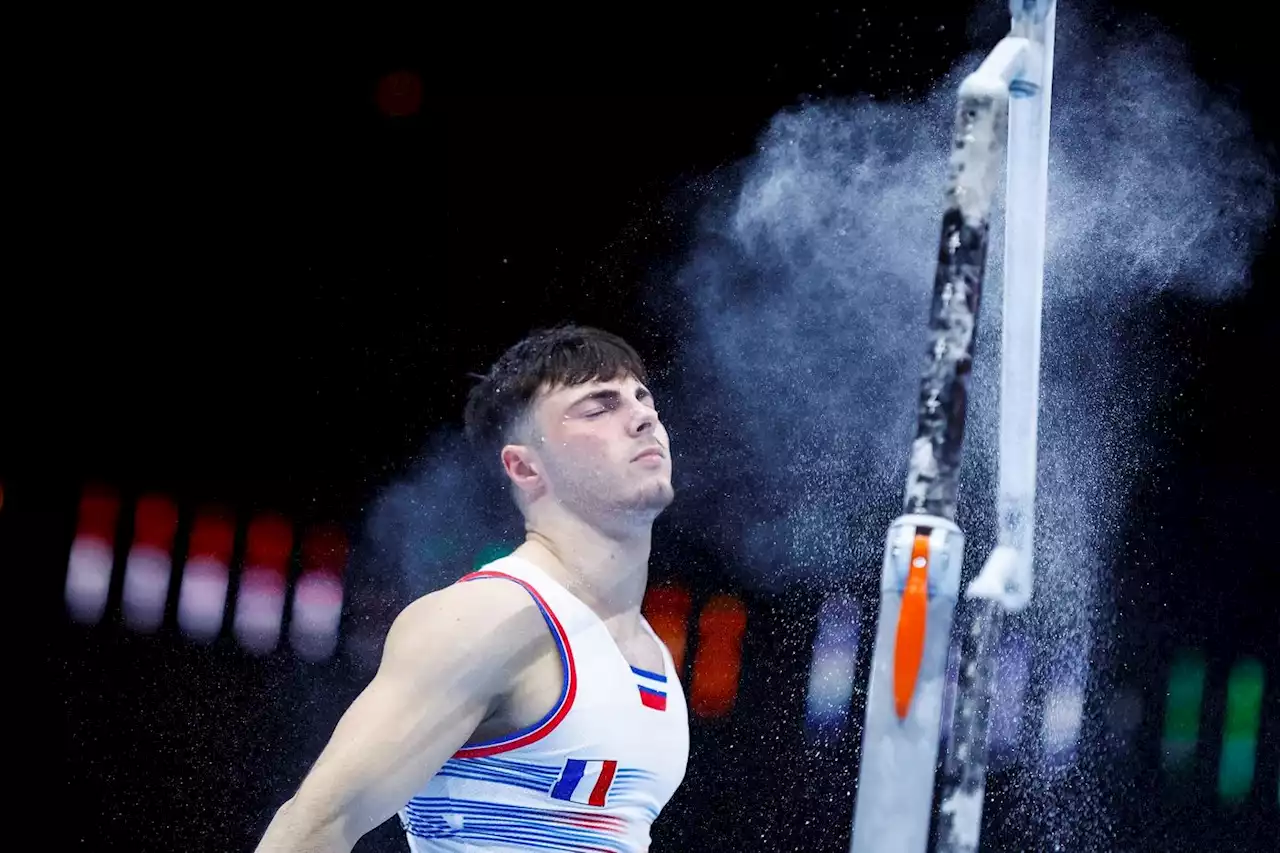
(1240, 730)
(489, 553)
(1182, 708)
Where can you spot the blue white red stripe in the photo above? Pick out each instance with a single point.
(543, 727)
(501, 771)
(523, 827)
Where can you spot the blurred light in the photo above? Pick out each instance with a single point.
(666, 609)
(317, 596)
(831, 674)
(260, 599)
(92, 557)
(399, 94)
(1060, 726)
(149, 564)
(1182, 709)
(718, 661)
(489, 553)
(202, 597)
(1240, 730)
(1013, 672)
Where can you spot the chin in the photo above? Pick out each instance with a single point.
(650, 500)
(659, 498)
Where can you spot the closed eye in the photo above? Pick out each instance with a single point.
(605, 401)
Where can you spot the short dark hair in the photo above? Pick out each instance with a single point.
(564, 355)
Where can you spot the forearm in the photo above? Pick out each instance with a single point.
(297, 829)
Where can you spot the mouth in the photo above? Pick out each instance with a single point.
(651, 453)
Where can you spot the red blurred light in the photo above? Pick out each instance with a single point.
(269, 543)
(666, 608)
(317, 597)
(99, 512)
(212, 536)
(718, 663)
(91, 560)
(202, 598)
(155, 522)
(399, 94)
(325, 549)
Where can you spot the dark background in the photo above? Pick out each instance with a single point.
(274, 290)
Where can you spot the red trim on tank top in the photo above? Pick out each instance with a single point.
(553, 719)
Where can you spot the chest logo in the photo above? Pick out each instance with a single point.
(585, 781)
(655, 699)
(653, 688)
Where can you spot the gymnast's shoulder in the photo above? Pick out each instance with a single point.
(466, 620)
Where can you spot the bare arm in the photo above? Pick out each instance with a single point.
(447, 659)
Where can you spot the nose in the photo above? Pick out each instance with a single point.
(644, 420)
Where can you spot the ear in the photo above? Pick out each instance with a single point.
(523, 467)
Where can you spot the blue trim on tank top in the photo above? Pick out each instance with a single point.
(564, 660)
(647, 674)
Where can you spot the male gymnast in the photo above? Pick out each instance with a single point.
(529, 705)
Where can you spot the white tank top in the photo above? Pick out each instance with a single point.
(592, 775)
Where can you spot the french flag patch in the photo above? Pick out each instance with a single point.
(585, 781)
(653, 688)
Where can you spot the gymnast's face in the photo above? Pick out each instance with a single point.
(598, 448)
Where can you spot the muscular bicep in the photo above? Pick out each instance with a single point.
(447, 661)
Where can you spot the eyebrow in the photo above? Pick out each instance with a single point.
(606, 395)
(602, 395)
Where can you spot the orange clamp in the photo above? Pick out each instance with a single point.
(909, 648)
